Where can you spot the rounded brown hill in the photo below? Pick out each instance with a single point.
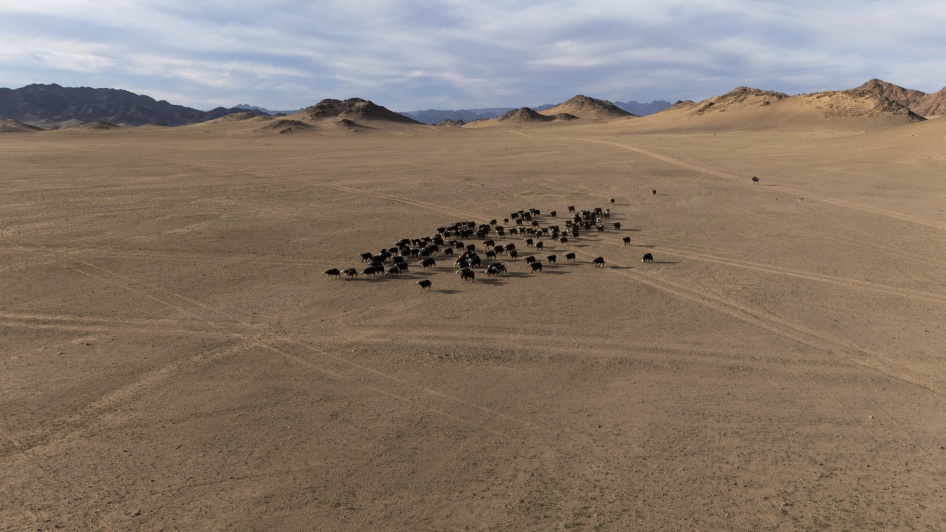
(739, 97)
(906, 97)
(15, 126)
(586, 107)
(749, 108)
(353, 109)
(932, 104)
(524, 114)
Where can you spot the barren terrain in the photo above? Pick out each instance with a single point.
(171, 356)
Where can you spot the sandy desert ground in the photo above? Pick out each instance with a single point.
(171, 356)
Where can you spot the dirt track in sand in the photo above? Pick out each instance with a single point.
(172, 356)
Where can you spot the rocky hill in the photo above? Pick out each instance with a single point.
(52, 104)
(353, 109)
(524, 114)
(586, 107)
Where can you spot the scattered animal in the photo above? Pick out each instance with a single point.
(536, 266)
(612, 200)
(599, 262)
(425, 283)
(648, 258)
(655, 192)
(351, 273)
(627, 240)
(755, 180)
(551, 258)
(617, 225)
(569, 256)
(332, 272)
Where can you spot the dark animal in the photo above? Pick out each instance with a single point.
(536, 266)
(427, 263)
(529, 242)
(512, 253)
(466, 274)
(495, 269)
(655, 192)
(571, 208)
(552, 214)
(551, 258)
(627, 240)
(569, 256)
(366, 256)
(617, 225)
(563, 240)
(530, 259)
(612, 200)
(425, 283)
(539, 245)
(599, 262)
(350, 273)
(648, 258)
(332, 272)
(755, 180)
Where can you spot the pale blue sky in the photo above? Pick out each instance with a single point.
(451, 54)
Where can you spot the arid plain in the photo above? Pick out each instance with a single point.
(171, 356)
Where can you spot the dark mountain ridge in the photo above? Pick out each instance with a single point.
(40, 103)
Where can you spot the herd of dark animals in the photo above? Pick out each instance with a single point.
(423, 248)
(446, 242)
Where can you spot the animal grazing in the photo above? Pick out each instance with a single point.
(425, 283)
(495, 269)
(755, 180)
(569, 256)
(599, 262)
(648, 258)
(536, 266)
(627, 240)
(332, 272)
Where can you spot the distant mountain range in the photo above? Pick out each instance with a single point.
(48, 104)
(436, 116)
(53, 106)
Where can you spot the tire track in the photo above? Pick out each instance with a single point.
(784, 328)
(729, 176)
(830, 279)
(241, 329)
